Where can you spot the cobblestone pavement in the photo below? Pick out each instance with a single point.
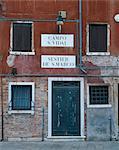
(113, 145)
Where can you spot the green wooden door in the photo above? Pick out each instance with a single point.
(66, 108)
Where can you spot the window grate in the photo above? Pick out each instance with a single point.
(98, 94)
(21, 97)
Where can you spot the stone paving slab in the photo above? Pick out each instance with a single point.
(113, 145)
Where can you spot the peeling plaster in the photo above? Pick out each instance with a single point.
(2, 6)
(10, 60)
(105, 61)
(102, 60)
(1, 57)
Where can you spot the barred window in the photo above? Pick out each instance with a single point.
(98, 95)
(21, 96)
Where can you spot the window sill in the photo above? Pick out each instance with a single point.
(99, 106)
(98, 53)
(21, 112)
(22, 53)
(66, 137)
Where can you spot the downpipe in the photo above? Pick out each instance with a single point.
(2, 113)
(42, 123)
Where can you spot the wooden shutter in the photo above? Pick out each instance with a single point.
(97, 38)
(22, 37)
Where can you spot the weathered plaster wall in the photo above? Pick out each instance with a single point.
(96, 11)
(98, 124)
(20, 125)
(108, 65)
(34, 9)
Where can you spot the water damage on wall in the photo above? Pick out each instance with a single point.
(11, 60)
(107, 64)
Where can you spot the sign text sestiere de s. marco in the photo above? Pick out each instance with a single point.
(58, 61)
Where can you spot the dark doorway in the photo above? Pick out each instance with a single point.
(66, 108)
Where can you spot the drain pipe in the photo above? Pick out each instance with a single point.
(42, 123)
(81, 37)
(110, 124)
(80, 30)
(2, 119)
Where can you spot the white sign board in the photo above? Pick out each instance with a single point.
(57, 40)
(57, 61)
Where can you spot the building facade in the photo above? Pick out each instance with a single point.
(59, 70)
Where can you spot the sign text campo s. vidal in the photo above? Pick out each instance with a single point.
(57, 40)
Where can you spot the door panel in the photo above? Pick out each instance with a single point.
(66, 109)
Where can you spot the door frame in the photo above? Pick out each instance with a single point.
(50, 80)
(115, 100)
(114, 96)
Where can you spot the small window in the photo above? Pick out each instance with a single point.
(98, 95)
(21, 38)
(98, 38)
(21, 96)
